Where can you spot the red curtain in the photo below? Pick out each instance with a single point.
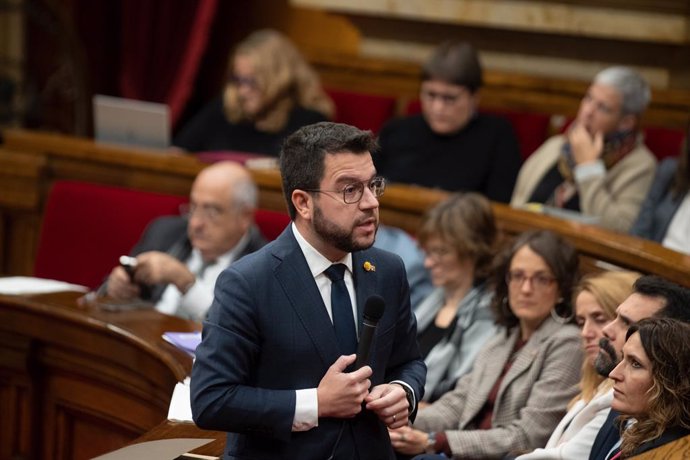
(163, 42)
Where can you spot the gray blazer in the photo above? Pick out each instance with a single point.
(531, 400)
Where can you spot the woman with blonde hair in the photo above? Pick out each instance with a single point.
(272, 91)
(596, 298)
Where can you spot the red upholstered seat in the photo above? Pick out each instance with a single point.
(664, 142)
(86, 227)
(365, 111)
(271, 223)
(531, 128)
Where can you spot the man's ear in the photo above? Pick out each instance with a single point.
(303, 203)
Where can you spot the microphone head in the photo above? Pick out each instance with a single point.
(373, 308)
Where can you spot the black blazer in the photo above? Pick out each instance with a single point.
(169, 234)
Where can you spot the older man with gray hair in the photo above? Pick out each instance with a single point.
(175, 264)
(600, 167)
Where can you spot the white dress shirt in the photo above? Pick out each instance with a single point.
(198, 299)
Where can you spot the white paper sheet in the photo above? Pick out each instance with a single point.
(180, 404)
(17, 285)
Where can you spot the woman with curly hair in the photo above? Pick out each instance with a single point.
(652, 386)
(272, 91)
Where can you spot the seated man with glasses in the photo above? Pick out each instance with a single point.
(450, 145)
(176, 262)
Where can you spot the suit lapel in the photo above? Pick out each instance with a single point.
(525, 357)
(299, 286)
(364, 281)
(494, 367)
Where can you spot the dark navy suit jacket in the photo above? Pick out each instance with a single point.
(608, 436)
(268, 333)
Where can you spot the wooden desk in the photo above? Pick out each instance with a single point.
(76, 382)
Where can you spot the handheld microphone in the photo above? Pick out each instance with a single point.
(373, 311)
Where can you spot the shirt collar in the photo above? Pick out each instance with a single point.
(316, 261)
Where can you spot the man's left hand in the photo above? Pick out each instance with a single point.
(389, 402)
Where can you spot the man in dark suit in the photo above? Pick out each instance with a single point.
(274, 368)
(178, 259)
(652, 296)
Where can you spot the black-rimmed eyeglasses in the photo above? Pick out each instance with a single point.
(353, 193)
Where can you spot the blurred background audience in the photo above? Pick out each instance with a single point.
(459, 238)
(178, 258)
(450, 145)
(665, 213)
(600, 167)
(271, 92)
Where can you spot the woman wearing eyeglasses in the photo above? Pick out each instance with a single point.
(651, 389)
(522, 379)
(458, 237)
(596, 298)
(451, 145)
(271, 93)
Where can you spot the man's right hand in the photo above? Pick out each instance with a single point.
(340, 394)
(120, 286)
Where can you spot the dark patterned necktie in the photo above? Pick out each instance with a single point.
(343, 321)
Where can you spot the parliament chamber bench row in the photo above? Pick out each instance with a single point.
(79, 381)
(372, 111)
(368, 91)
(31, 162)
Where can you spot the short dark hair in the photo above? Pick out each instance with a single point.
(466, 222)
(303, 153)
(676, 298)
(559, 255)
(454, 62)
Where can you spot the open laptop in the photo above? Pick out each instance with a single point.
(131, 122)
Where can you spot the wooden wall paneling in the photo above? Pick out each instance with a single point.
(17, 432)
(93, 379)
(20, 199)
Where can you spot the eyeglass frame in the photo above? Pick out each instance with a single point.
(539, 281)
(209, 213)
(360, 184)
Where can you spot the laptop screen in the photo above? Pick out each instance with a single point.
(130, 122)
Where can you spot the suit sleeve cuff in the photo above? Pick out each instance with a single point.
(593, 169)
(306, 410)
(414, 397)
